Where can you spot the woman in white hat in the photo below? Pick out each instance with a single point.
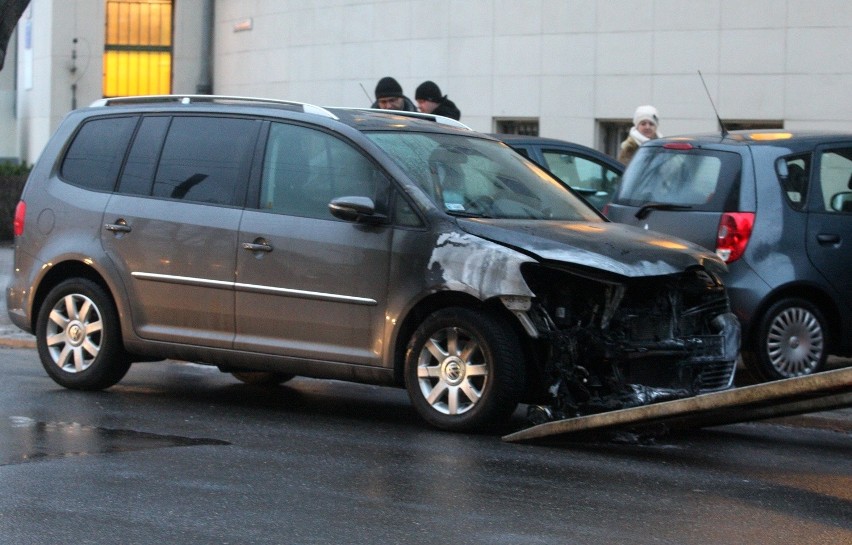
(645, 123)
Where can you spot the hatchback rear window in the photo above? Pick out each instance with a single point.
(700, 179)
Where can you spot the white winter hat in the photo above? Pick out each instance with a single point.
(646, 112)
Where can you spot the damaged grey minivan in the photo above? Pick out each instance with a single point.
(275, 239)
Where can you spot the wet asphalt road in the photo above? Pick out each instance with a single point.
(179, 453)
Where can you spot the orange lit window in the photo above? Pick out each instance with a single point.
(138, 47)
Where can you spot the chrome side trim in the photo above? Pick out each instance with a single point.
(306, 294)
(254, 288)
(187, 280)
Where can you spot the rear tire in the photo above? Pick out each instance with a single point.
(791, 340)
(78, 337)
(464, 370)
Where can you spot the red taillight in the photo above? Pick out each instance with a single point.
(734, 232)
(681, 146)
(20, 214)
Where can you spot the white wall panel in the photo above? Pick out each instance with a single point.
(569, 63)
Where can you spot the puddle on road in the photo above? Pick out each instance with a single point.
(23, 439)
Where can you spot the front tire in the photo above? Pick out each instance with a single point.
(464, 370)
(78, 337)
(790, 340)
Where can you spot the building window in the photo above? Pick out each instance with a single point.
(611, 135)
(138, 47)
(526, 127)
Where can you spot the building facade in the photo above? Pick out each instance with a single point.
(570, 69)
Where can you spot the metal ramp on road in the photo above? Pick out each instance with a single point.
(820, 392)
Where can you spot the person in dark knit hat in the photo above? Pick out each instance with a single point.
(431, 101)
(389, 96)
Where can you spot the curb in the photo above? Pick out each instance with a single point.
(20, 340)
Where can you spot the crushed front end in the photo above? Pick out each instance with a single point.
(611, 342)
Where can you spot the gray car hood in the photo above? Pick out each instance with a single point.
(612, 247)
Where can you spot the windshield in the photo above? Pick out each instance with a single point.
(474, 177)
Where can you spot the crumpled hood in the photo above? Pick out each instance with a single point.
(613, 247)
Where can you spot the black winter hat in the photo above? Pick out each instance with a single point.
(428, 90)
(388, 88)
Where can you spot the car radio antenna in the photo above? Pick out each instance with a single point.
(719, 119)
(365, 92)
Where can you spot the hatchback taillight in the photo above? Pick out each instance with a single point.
(734, 232)
(18, 222)
(679, 146)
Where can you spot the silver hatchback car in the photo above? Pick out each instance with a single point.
(274, 239)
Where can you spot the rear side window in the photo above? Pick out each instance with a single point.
(700, 179)
(94, 158)
(206, 159)
(793, 176)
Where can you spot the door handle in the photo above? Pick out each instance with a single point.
(257, 246)
(119, 227)
(827, 239)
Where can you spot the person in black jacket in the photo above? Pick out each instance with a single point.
(431, 101)
(389, 96)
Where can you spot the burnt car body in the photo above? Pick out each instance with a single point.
(275, 239)
(616, 328)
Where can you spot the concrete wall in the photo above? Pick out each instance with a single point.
(46, 46)
(8, 134)
(572, 64)
(45, 78)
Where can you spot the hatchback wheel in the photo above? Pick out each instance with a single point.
(790, 341)
(464, 370)
(78, 337)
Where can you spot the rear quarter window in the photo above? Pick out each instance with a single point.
(93, 159)
(701, 179)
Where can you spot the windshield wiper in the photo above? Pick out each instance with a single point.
(643, 212)
(463, 214)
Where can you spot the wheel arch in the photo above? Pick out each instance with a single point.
(64, 271)
(815, 295)
(445, 299)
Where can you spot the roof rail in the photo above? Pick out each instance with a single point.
(189, 99)
(419, 115)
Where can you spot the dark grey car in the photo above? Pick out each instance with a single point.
(777, 206)
(274, 239)
(592, 174)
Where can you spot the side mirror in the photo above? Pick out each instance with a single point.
(355, 209)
